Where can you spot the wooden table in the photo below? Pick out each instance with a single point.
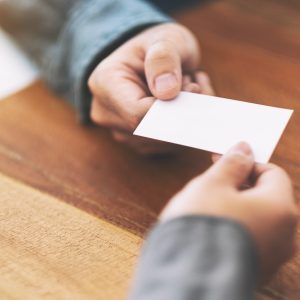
(74, 204)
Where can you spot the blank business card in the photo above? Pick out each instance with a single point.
(215, 124)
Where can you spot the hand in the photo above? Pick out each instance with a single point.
(157, 63)
(267, 209)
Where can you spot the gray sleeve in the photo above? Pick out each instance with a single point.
(196, 258)
(66, 38)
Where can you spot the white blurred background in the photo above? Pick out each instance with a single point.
(16, 70)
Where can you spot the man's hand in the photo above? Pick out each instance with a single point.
(158, 63)
(267, 209)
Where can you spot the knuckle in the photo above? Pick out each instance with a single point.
(289, 214)
(133, 121)
(192, 87)
(95, 114)
(198, 183)
(284, 177)
(91, 81)
(95, 81)
(162, 52)
(279, 170)
(119, 137)
(238, 160)
(95, 118)
(98, 77)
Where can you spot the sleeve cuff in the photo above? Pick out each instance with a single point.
(197, 257)
(95, 29)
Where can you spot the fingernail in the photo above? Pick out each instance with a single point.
(242, 148)
(165, 82)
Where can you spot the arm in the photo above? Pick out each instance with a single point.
(197, 258)
(218, 240)
(66, 38)
(100, 56)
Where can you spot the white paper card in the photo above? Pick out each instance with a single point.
(215, 124)
(16, 70)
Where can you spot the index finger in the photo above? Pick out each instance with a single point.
(273, 182)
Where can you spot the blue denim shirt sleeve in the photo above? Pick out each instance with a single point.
(66, 38)
(94, 27)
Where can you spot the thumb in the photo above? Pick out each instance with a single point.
(235, 167)
(163, 70)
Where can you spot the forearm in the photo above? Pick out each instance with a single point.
(67, 38)
(196, 258)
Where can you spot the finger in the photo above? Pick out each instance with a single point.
(192, 88)
(274, 181)
(132, 103)
(189, 86)
(129, 99)
(163, 70)
(247, 184)
(204, 82)
(215, 157)
(186, 79)
(234, 167)
(102, 116)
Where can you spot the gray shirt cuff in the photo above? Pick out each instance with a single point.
(197, 257)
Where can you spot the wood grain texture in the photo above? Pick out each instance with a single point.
(252, 51)
(53, 251)
(50, 250)
(42, 144)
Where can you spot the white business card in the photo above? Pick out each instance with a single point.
(215, 124)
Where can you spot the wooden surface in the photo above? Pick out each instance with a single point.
(252, 51)
(50, 250)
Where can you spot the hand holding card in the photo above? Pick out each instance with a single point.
(215, 124)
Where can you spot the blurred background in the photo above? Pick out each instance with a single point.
(16, 70)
